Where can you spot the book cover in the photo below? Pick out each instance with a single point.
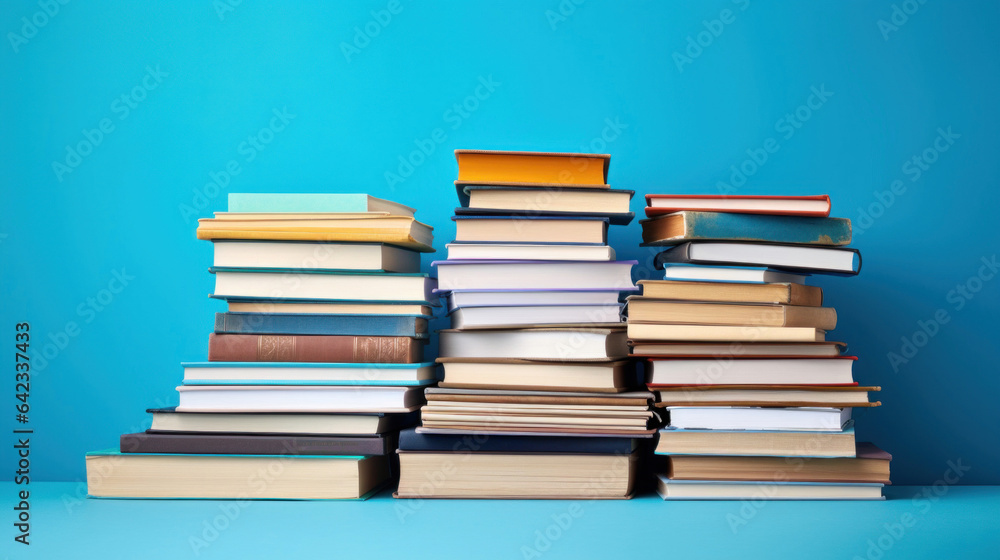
(692, 226)
(313, 348)
(316, 324)
(232, 444)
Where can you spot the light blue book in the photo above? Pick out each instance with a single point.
(341, 203)
(308, 373)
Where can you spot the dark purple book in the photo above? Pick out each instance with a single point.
(231, 444)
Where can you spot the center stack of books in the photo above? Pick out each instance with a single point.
(759, 402)
(312, 371)
(538, 397)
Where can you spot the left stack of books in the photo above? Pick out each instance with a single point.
(312, 371)
(537, 398)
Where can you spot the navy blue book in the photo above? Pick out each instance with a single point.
(414, 326)
(410, 440)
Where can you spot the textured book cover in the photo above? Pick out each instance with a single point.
(307, 323)
(313, 348)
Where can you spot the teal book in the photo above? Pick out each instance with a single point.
(679, 227)
(341, 203)
(308, 373)
(112, 474)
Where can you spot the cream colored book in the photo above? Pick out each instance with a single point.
(730, 333)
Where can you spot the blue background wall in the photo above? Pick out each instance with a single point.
(621, 78)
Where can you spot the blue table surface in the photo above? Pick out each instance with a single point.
(914, 522)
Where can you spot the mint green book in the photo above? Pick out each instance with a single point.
(340, 203)
(111, 474)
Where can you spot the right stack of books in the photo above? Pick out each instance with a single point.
(758, 402)
(538, 399)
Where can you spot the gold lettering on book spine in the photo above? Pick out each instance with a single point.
(272, 348)
(379, 349)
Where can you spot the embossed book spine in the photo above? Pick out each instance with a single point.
(307, 348)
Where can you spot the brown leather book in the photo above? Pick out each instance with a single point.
(313, 348)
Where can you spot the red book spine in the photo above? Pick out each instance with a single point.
(307, 348)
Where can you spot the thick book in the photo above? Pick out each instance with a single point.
(299, 373)
(171, 420)
(348, 203)
(803, 419)
(534, 275)
(840, 261)
(611, 376)
(755, 490)
(314, 348)
(501, 316)
(730, 274)
(756, 443)
(303, 323)
(679, 227)
(751, 371)
(722, 333)
(376, 228)
(732, 292)
(817, 205)
(547, 168)
(298, 398)
(740, 349)
(459, 299)
(870, 464)
(410, 440)
(530, 252)
(322, 285)
(233, 444)
(530, 229)
(765, 395)
(650, 310)
(372, 257)
(111, 474)
(546, 343)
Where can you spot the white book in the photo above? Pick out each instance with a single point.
(801, 419)
(729, 274)
(464, 318)
(304, 398)
(736, 371)
(304, 372)
(520, 298)
(722, 333)
(764, 490)
(323, 286)
(777, 256)
(315, 256)
(168, 420)
(530, 252)
(565, 344)
(534, 275)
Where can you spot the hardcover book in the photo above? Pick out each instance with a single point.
(679, 227)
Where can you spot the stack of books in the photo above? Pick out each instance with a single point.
(759, 402)
(537, 398)
(313, 370)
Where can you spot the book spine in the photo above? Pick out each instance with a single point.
(306, 348)
(800, 294)
(765, 228)
(252, 445)
(316, 324)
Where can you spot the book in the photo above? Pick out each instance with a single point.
(612, 376)
(545, 199)
(534, 275)
(310, 324)
(171, 420)
(297, 373)
(232, 444)
(533, 167)
(553, 343)
(314, 202)
(396, 230)
(764, 489)
(735, 292)
(530, 229)
(529, 252)
(649, 310)
(738, 349)
(375, 257)
(751, 371)
(757, 418)
(756, 443)
(111, 474)
(765, 395)
(314, 348)
(678, 227)
(723, 333)
(298, 398)
(730, 274)
(659, 204)
(460, 299)
(343, 308)
(411, 440)
(524, 397)
(870, 464)
(516, 475)
(487, 317)
(605, 419)
(613, 218)
(322, 285)
(796, 258)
